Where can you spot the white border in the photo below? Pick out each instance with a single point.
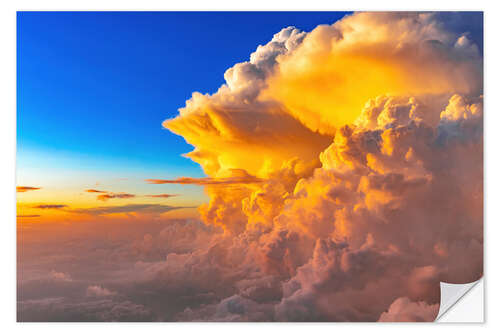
(8, 148)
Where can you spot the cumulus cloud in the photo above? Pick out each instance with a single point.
(60, 276)
(26, 188)
(405, 310)
(366, 138)
(98, 291)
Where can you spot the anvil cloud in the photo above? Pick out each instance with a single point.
(344, 171)
(367, 138)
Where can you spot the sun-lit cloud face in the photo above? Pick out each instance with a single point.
(344, 176)
(336, 69)
(295, 91)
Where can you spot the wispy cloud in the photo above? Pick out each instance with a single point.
(50, 206)
(161, 195)
(106, 195)
(109, 195)
(247, 179)
(26, 188)
(131, 208)
(95, 191)
(28, 216)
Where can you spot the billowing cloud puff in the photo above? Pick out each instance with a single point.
(405, 310)
(98, 291)
(299, 88)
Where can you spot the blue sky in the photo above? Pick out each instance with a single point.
(94, 87)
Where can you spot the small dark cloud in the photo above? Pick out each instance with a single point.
(161, 195)
(95, 191)
(236, 180)
(28, 216)
(45, 206)
(26, 188)
(107, 196)
(132, 208)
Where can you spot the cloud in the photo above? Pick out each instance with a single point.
(100, 309)
(50, 206)
(60, 276)
(164, 195)
(403, 309)
(130, 208)
(28, 216)
(205, 181)
(26, 188)
(363, 134)
(107, 196)
(236, 177)
(98, 291)
(354, 158)
(95, 191)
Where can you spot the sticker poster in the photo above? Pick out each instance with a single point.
(247, 166)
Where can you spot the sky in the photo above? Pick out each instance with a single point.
(94, 89)
(247, 166)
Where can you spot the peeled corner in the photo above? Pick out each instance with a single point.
(461, 302)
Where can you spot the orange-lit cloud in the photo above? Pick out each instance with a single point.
(163, 195)
(106, 195)
(362, 135)
(95, 191)
(238, 177)
(50, 206)
(109, 195)
(125, 209)
(26, 188)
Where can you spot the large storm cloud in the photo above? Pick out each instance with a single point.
(363, 141)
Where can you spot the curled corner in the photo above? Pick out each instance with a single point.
(451, 293)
